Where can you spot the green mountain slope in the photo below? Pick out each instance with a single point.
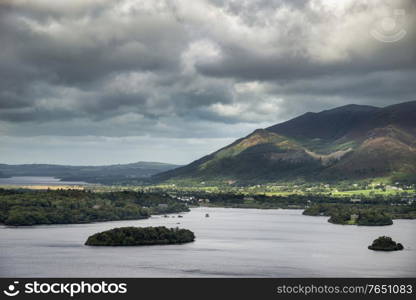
(349, 142)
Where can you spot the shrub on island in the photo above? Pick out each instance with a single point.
(141, 236)
(385, 243)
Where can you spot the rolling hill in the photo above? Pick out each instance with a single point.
(111, 174)
(351, 142)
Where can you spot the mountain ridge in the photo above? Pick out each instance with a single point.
(343, 143)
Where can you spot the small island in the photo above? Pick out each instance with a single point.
(385, 243)
(141, 236)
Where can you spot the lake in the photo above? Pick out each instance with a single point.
(37, 180)
(229, 243)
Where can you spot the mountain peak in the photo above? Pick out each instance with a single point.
(351, 108)
(347, 142)
(329, 124)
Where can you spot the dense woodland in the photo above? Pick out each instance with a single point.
(30, 207)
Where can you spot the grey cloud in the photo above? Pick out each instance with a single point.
(378, 88)
(296, 42)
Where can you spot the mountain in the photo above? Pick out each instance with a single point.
(111, 174)
(348, 142)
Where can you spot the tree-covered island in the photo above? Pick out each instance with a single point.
(352, 214)
(141, 236)
(385, 243)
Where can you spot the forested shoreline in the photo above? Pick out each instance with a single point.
(30, 207)
(362, 214)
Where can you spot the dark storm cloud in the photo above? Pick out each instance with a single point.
(90, 47)
(195, 69)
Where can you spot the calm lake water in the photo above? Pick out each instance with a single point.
(231, 243)
(37, 180)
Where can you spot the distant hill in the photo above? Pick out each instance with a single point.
(111, 174)
(348, 142)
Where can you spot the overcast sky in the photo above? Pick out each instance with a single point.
(104, 82)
